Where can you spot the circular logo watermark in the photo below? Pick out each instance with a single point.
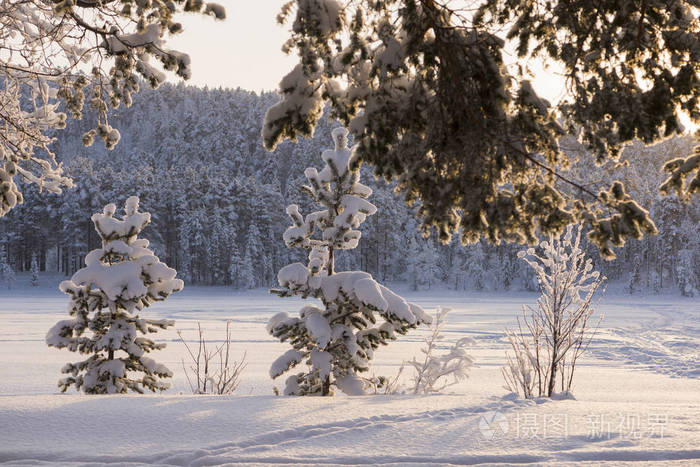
(493, 424)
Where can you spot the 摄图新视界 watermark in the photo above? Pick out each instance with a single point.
(533, 425)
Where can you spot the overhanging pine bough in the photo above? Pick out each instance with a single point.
(338, 341)
(424, 89)
(54, 52)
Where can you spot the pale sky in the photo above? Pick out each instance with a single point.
(245, 50)
(242, 51)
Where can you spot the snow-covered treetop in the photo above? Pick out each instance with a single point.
(124, 272)
(337, 188)
(110, 228)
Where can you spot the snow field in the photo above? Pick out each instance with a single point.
(624, 412)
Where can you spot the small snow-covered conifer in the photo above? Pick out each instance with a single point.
(412, 269)
(34, 271)
(634, 284)
(7, 274)
(254, 260)
(338, 340)
(422, 269)
(234, 266)
(687, 280)
(427, 270)
(247, 271)
(476, 267)
(118, 280)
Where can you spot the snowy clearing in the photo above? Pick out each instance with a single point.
(637, 392)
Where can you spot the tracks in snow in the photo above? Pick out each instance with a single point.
(668, 344)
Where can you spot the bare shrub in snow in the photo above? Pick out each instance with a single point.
(119, 279)
(384, 384)
(434, 372)
(212, 371)
(553, 335)
(438, 371)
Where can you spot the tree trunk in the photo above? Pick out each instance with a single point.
(553, 368)
(110, 353)
(326, 388)
(331, 261)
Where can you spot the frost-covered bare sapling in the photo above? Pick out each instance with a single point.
(357, 315)
(119, 280)
(212, 371)
(437, 371)
(555, 333)
(523, 371)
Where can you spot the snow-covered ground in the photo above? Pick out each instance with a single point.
(637, 393)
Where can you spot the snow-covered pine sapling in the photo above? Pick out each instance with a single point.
(118, 281)
(436, 372)
(34, 270)
(337, 340)
(554, 334)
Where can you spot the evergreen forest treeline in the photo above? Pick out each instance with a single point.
(195, 159)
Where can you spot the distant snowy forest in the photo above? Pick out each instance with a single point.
(217, 198)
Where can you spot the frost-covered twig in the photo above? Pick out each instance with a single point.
(434, 372)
